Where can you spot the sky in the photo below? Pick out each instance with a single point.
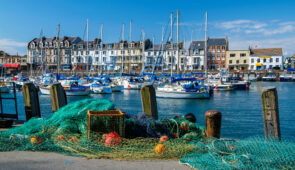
(259, 24)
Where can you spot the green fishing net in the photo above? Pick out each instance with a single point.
(66, 132)
(251, 153)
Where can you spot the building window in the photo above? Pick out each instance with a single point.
(230, 61)
(245, 61)
(270, 60)
(258, 60)
(182, 59)
(243, 55)
(232, 55)
(277, 60)
(252, 67)
(149, 53)
(238, 61)
(96, 52)
(195, 60)
(252, 60)
(264, 60)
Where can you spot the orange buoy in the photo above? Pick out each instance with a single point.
(159, 149)
(163, 139)
(33, 139)
(112, 139)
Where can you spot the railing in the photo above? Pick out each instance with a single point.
(9, 115)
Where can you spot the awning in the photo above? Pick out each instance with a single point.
(259, 64)
(11, 65)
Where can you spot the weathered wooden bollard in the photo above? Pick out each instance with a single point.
(31, 101)
(149, 101)
(213, 123)
(271, 113)
(57, 96)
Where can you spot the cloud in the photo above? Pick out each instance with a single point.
(240, 24)
(252, 27)
(13, 47)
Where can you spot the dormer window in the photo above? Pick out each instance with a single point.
(130, 45)
(67, 44)
(122, 45)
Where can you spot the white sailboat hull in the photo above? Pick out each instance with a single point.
(102, 90)
(182, 95)
(117, 88)
(46, 91)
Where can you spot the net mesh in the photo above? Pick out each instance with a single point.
(251, 153)
(66, 132)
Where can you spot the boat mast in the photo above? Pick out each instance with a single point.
(162, 49)
(42, 62)
(130, 31)
(143, 51)
(130, 39)
(178, 60)
(191, 50)
(171, 43)
(205, 50)
(154, 51)
(122, 60)
(101, 45)
(87, 58)
(58, 49)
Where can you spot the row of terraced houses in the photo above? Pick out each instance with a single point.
(75, 54)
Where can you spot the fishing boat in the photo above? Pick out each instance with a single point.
(131, 84)
(73, 90)
(237, 82)
(270, 76)
(224, 87)
(113, 84)
(97, 87)
(288, 75)
(178, 90)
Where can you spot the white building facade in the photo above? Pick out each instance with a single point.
(266, 59)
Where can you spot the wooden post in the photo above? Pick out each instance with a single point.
(31, 101)
(149, 102)
(57, 96)
(213, 123)
(271, 113)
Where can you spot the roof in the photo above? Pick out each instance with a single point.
(200, 44)
(156, 47)
(217, 41)
(267, 52)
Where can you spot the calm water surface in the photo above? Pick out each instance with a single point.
(241, 110)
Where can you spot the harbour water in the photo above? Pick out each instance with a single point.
(241, 110)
